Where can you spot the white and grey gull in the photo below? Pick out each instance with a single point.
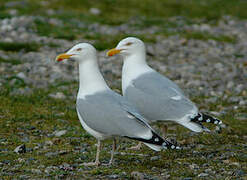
(155, 96)
(104, 113)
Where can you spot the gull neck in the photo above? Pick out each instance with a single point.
(90, 78)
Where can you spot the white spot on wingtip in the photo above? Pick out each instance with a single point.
(130, 116)
(176, 98)
(200, 118)
(156, 139)
(208, 120)
(216, 122)
(173, 147)
(164, 145)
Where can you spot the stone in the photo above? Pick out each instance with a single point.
(137, 175)
(12, 4)
(5, 28)
(241, 116)
(242, 102)
(239, 88)
(205, 28)
(66, 167)
(155, 158)
(22, 76)
(219, 66)
(193, 166)
(36, 171)
(50, 169)
(58, 95)
(95, 11)
(20, 149)
(21, 91)
(51, 154)
(59, 133)
(239, 172)
(24, 36)
(13, 12)
(48, 143)
(50, 12)
(113, 176)
(230, 85)
(203, 175)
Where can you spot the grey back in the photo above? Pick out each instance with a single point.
(155, 96)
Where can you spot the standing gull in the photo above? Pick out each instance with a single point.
(104, 113)
(156, 97)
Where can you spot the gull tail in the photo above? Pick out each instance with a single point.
(194, 126)
(157, 143)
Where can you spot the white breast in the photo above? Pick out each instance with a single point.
(90, 90)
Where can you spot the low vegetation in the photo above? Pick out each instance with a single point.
(34, 118)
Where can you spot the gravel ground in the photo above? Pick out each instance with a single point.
(196, 65)
(211, 68)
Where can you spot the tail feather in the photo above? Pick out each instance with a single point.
(157, 143)
(196, 127)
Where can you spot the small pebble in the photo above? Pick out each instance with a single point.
(20, 149)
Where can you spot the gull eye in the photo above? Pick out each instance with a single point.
(128, 44)
(79, 49)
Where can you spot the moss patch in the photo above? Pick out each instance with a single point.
(18, 46)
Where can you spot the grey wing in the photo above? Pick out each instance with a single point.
(103, 113)
(133, 111)
(159, 85)
(157, 98)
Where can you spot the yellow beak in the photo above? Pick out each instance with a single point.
(113, 52)
(61, 57)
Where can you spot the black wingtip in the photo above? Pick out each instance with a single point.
(164, 143)
(159, 141)
(168, 145)
(200, 117)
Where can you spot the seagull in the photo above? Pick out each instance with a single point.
(104, 113)
(155, 96)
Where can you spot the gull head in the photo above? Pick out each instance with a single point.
(80, 52)
(127, 47)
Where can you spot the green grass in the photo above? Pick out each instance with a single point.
(206, 36)
(18, 46)
(4, 15)
(71, 31)
(116, 12)
(103, 42)
(10, 61)
(64, 32)
(146, 13)
(37, 116)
